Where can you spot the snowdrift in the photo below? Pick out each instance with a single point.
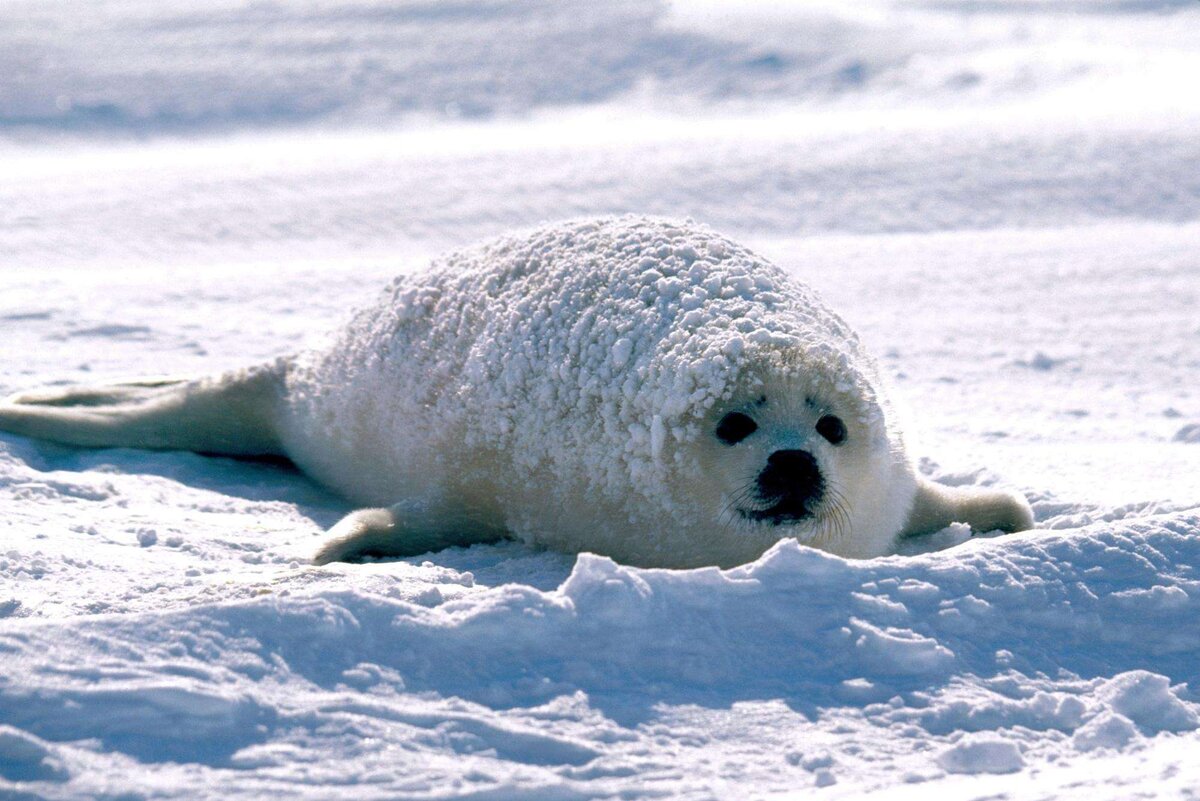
(1003, 200)
(1047, 648)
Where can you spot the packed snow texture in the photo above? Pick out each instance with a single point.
(1002, 198)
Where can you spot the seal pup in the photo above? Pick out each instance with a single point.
(640, 388)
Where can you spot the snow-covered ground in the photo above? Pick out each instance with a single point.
(1003, 197)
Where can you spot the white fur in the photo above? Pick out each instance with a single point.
(564, 386)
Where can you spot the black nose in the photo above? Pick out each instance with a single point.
(791, 476)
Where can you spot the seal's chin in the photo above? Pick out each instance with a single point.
(784, 512)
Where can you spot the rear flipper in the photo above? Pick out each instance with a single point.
(937, 506)
(233, 414)
(399, 531)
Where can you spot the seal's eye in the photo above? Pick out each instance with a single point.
(832, 428)
(735, 427)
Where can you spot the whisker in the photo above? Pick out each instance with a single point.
(745, 493)
(838, 512)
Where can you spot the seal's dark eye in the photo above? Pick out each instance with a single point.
(735, 427)
(832, 428)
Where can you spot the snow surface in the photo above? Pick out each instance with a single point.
(1003, 198)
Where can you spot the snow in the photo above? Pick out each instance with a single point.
(1001, 198)
(982, 754)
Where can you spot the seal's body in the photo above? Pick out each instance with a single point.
(639, 388)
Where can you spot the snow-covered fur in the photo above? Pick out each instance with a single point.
(565, 387)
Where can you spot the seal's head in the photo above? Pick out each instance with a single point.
(790, 488)
(799, 451)
(669, 398)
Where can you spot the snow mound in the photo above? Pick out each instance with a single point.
(1109, 730)
(1189, 433)
(1147, 700)
(25, 758)
(982, 754)
(999, 650)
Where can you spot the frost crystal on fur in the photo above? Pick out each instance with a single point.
(587, 355)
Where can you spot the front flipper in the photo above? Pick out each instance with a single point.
(397, 532)
(937, 506)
